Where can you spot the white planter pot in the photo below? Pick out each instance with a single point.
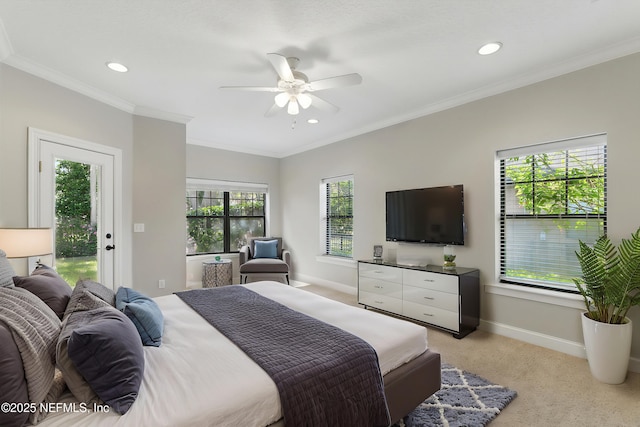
(608, 349)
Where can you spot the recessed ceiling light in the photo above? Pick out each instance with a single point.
(313, 121)
(115, 66)
(490, 48)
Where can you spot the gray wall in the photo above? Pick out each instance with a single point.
(158, 203)
(458, 146)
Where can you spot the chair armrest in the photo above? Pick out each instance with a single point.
(286, 257)
(243, 254)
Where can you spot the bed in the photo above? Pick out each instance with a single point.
(197, 376)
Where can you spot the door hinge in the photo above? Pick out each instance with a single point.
(40, 166)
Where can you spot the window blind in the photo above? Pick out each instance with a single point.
(230, 186)
(338, 192)
(552, 196)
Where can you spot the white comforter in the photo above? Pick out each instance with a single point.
(198, 377)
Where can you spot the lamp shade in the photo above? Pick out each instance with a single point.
(26, 242)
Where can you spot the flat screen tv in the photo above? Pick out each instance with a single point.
(426, 215)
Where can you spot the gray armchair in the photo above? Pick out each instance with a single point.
(265, 257)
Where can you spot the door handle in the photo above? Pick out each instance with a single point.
(110, 247)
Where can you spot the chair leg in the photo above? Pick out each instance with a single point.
(287, 277)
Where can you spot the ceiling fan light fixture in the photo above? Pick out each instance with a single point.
(490, 48)
(282, 99)
(304, 100)
(293, 107)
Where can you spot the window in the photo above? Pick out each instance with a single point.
(551, 196)
(336, 201)
(222, 216)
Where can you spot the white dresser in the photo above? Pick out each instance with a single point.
(448, 299)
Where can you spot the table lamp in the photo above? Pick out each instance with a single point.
(26, 242)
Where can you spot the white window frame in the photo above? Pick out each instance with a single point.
(234, 186)
(323, 255)
(579, 142)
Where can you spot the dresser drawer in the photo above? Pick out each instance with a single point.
(434, 281)
(382, 302)
(380, 287)
(436, 316)
(443, 300)
(380, 272)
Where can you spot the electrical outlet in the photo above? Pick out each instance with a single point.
(161, 283)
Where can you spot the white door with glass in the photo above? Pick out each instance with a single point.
(75, 197)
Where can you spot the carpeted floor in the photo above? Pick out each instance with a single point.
(465, 399)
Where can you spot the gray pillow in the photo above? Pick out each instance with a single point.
(47, 285)
(6, 270)
(107, 352)
(85, 303)
(78, 300)
(13, 385)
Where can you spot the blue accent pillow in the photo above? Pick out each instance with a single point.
(144, 313)
(107, 352)
(266, 249)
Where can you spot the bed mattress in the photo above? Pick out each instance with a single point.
(199, 377)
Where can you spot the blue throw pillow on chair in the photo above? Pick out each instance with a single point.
(266, 249)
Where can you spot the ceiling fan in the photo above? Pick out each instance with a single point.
(294, 90)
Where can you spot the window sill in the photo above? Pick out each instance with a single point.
(345, 262)
(539, 295)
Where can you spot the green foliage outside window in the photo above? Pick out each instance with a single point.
(76, 234)
(558, 183)
(207, 220)
(551, 201)
(340, 218)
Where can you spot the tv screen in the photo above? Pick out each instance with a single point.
(426, 215)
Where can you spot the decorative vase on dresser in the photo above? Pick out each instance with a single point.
(447, 299)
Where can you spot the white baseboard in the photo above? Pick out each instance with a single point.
(547, 341)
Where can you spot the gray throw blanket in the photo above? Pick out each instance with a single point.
(325, 376)
(35, 329)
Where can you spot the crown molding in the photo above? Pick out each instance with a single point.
(6, 50)
(161, 115)
(227, 147)
(65, 81)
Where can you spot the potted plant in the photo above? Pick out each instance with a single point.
(610, 286)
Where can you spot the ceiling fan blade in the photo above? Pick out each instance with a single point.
(338, 81)
(281, 65)
(322, 104)
(253, 88)
(272, 111)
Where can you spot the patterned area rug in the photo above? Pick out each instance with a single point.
(465, 399)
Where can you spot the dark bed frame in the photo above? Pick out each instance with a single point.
(409, 385)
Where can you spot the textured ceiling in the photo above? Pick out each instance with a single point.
(415, 57)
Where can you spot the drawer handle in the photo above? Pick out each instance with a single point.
(428, 314)
(378, 287)
(429, 298)
(378, 271)
(378, 302)
(429, 280)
